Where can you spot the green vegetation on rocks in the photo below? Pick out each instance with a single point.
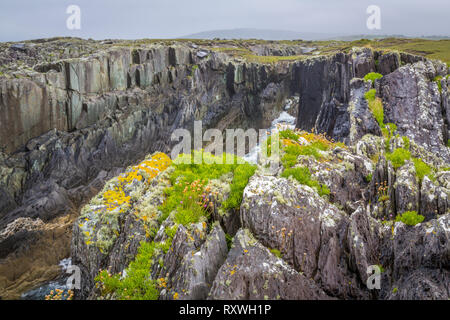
(410, 218)
(400, 155)
(188, 200)
(303, 176)
(377, 110)
(276, 252)
(189, 196)
(315, 145)
(422, 169)
(373, 76)
(438, 82)
(375, 106)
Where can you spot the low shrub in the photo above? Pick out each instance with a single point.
(398, 157)
(372, 76)
(242, 174)
(410, 218)
(276, 252)
(422, 169)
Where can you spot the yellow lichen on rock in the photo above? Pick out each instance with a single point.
(115, 199)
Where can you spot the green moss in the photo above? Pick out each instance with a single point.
(308, 150)
(188, 199)
(188, 196)
(372, 76)
(289, 160)
(193, 213)
(422, 169)
(392, 128)
(289, 134)
(303, 176)
(370, 95)
(293, 151)
(242, 174)
(406, 142)
(381, 268)
(410, 218)
(369, 177)
(398, 157)
(438, 82)
(375, 106)
(229, 240)
(276, 252)
(137, 284)
(377, 110)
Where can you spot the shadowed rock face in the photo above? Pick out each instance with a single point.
(113, 108)
(324, 94)
(69, 125)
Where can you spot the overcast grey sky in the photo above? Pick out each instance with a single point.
(132, 19)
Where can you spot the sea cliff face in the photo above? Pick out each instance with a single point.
(75, 114)
(70, 124)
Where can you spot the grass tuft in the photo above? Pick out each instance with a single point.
(303, 176)
(410, 218)
(372, 76)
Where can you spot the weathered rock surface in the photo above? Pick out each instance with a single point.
(193, 275)
(413, 102)
(362, 121)
(251, 272)
(418, 259)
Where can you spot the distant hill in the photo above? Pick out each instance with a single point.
(263, 34)
(267, 34)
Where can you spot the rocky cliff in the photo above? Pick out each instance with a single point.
(76, 113)
(93, 108)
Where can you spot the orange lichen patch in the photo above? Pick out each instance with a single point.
(149, 168)
(115, 198)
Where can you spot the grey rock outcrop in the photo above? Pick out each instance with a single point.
(251, 272)
(413, 102)
(307, 230)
